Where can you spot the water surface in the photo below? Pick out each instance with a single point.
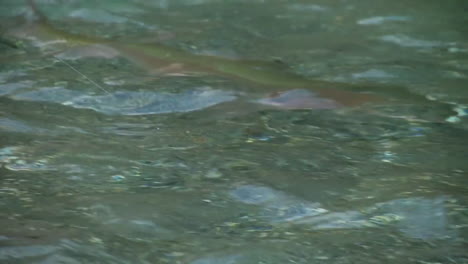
(105, 161)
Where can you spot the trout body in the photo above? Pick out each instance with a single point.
(268, 75)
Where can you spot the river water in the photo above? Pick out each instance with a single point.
(109, 159)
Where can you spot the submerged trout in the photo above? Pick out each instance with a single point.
(271, 75)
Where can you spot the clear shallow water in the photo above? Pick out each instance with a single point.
(170, 168)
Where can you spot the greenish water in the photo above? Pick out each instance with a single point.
(127, 165)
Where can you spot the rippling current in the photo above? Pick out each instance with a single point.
(114, 157)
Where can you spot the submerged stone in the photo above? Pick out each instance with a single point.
(132, 103)
(229, 259)
(96, 15)
(417, 217)
(409, 42)
(299, 99)
(377, 20)
(56, 94)
(144, 103)
(128, 225)
(251, 194)
(11, 125)
(276, 206)
(337, 220)
(372, 74)
(22, 252)
(8, 88)
(22, 165)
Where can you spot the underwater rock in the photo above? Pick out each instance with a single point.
(420, 218)
(230, 259)
(132, 103)
(7, 75)
(337, 220)
(8, 153)
(251, 194)
(373, 74)
(307, 8)
(145, 103)
(299, 99)
(21, 252)
(250, 253)
(61, 251)
(277, 206)
(17, 126)
(409, 42)
(96, 15)
(417, 217)
(55, 94)
(22, 165)
(377, 20)
(132, 227)
(8, 88)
